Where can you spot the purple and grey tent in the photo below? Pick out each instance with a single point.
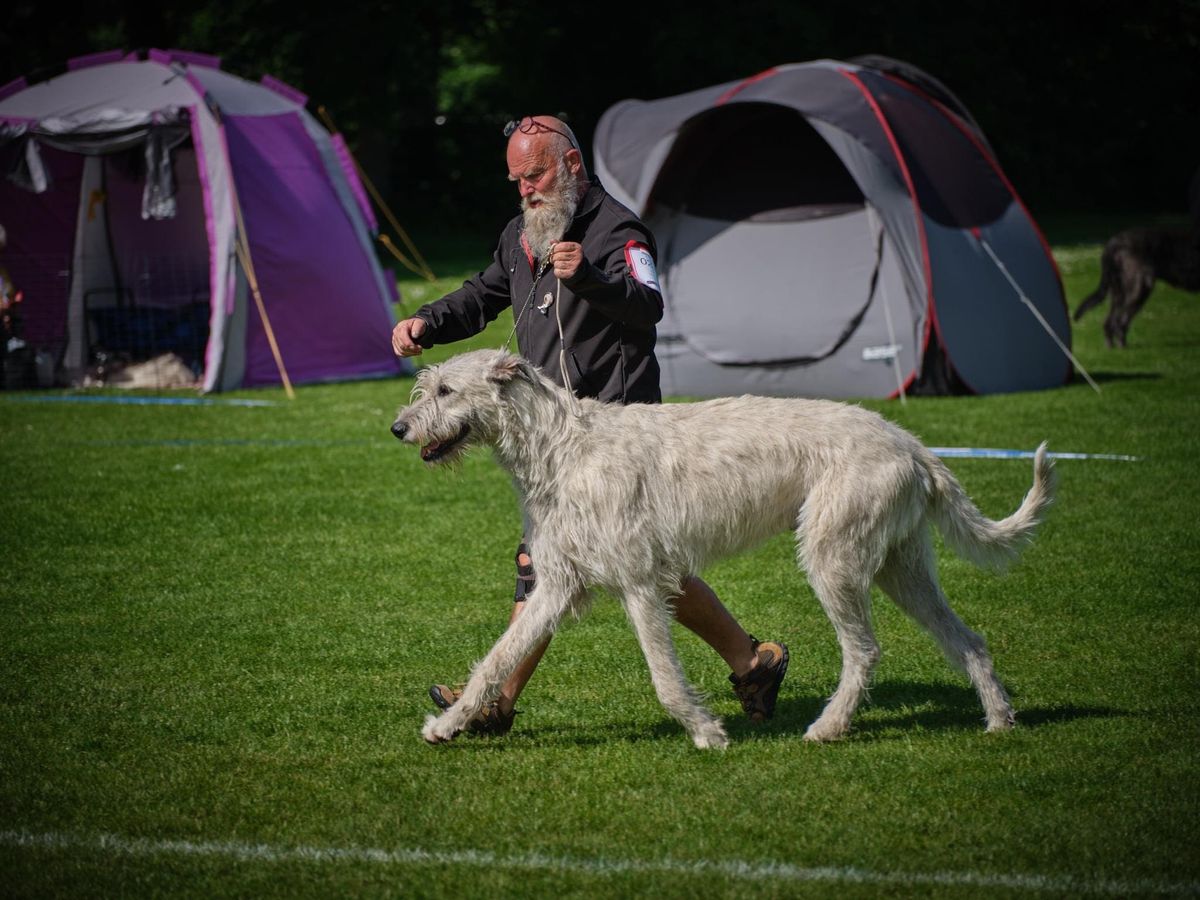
(836, 229)
(132, 180)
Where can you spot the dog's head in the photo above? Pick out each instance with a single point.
(458, 403)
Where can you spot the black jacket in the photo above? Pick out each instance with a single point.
(608, 316)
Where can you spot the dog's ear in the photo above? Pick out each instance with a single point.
(508, 367)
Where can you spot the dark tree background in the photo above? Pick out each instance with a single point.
(1090, 106)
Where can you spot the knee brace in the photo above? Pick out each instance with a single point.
(526, 579)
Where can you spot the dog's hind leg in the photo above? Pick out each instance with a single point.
(1124, 316)
(909, 577)
(650, 616)
(1132, 285)
(840, 553)
(543, 611)
(846, 601)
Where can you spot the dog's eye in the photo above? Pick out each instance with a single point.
(443, 391)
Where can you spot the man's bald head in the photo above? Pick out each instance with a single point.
(539, 125)
(545, 162)
(537, 143)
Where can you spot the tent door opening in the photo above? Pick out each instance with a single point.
(751, 194)
(139, 286)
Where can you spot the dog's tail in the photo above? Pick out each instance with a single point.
(973, 536)
(1096, 297)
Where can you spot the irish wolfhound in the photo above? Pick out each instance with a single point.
(635, 498)
(1130, 264)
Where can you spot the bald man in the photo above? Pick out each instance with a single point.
(576, 248)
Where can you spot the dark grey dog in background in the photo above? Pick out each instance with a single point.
(1132, 261)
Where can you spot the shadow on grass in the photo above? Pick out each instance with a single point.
(578, 736)
(894, 708)
(1055, 715)
(919, 706)
(1112, 377)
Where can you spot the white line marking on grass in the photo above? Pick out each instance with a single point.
(601, 866)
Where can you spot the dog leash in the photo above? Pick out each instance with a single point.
(562, 353)
(562, 340)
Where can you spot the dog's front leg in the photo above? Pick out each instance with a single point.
(650, 616)
(537, 622)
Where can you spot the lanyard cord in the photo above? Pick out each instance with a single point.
(529, 299)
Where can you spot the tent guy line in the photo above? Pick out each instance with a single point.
(1040, 318)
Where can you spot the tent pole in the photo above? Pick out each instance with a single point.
(887, 314)
(1033, 309)
(887, 309)
(243, 252)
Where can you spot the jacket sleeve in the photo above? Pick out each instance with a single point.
(606, 282)
(468, 310)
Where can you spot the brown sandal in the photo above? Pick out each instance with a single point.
(489, 720)
(759, 687)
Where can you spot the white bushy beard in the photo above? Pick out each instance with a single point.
(549, 221)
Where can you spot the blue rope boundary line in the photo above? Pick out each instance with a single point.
(132, 400)
(993, 453)
(230, 442)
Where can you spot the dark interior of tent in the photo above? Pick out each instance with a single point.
(135, 267)
(731, 171)
(756, 162)
(153, 298)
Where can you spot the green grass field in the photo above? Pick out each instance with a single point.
(218, 624)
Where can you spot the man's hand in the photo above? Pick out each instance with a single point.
(404, 337)
(567, 257)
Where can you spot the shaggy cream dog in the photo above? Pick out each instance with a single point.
(635, 498)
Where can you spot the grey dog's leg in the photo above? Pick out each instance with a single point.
(541, 616)
(650, 616)
(909, 577)
(847, 603)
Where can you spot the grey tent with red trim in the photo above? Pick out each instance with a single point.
(836, 229)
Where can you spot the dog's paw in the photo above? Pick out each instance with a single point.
(711, 737)
(438, 731)
(1003, 721)
(822, 732)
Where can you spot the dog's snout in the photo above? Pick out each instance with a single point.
(399, 429)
